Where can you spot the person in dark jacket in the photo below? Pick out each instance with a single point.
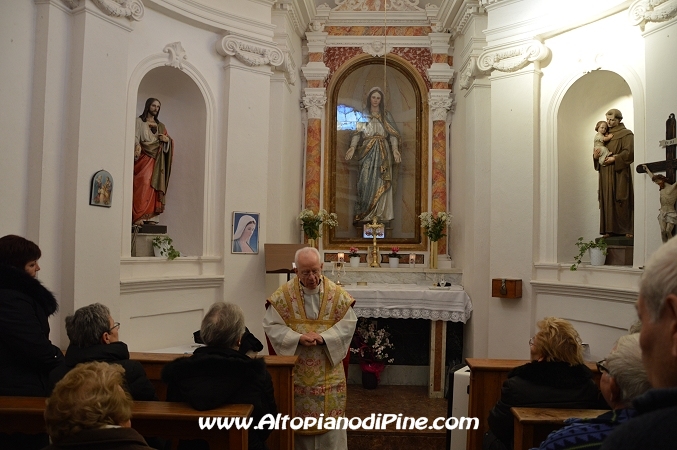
(555, 378)
(26, 353)
(654, 427)
(90, 410)
(623, 380)
(94, 337)
(218, 374)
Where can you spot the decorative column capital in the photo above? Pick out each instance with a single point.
(132, 10)
(643, 11)
(469, 73)
(512, 58)
(314, 101)
(249, 51)
(439, 42)
(440, 73)
(440, 101)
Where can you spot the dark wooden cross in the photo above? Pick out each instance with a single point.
(669, 166)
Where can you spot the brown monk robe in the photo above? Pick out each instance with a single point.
(615, 194)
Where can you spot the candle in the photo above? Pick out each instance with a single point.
(341, 257)
(412, 259)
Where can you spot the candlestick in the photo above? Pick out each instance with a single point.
(341, 257)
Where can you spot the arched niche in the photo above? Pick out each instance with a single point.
(405, 99)
(583, 105)
(184, 113)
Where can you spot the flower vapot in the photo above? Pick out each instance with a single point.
(312, 223)
(435, 224)
(371, 343)
(393, 252)
(353, 252)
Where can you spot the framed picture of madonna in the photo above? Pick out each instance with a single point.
(377, 151)
(245, 237)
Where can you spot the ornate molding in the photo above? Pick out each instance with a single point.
(377, 48)
(472, 8)
(375, 5)
(440, 103)
(250, 52)
(289, 68)
(469, 73)
(643, 11)
(176, 55)
(512, 59)
(131, 9)
(314, 103)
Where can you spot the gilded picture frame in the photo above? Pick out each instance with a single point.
(401, 124)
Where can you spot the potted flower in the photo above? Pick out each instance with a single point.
(354, 257)
(435, 226)
(597, 249)
(312, 223)
(371, 344)
(162, 247)
(393, 257)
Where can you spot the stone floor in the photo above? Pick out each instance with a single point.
(410, 401)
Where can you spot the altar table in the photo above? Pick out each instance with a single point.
(411, 301)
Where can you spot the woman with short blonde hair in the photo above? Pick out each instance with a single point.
(90, 408)
(556, 377)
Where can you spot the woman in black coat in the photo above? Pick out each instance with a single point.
(218, 374)
(26, 353)
(556, 377)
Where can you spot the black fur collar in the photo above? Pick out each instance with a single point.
(551, 373)
(14, 279)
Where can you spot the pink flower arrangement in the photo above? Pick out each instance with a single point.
(393, 252)
(353, 252)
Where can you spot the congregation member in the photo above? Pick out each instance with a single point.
(90, 410)
(623, 379)
(218, 374)
(94, 337)
(556, 377)
(26, 353)
(312, 317)
(654, 426)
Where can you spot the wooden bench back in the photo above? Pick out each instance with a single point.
(160, 419)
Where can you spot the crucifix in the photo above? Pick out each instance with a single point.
(668, 192)
(374, 227)
(669, 166)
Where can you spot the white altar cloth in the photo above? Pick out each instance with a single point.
(411, 301)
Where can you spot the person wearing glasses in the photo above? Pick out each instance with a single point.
(312, 317)
(94, 337)
(623, 379)
(556, 377)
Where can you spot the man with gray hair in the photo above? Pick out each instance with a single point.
(654, 427)
(218, 374)
(94, 337)
(312, 317)
(623, 379)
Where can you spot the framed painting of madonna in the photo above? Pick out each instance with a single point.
(377, 156)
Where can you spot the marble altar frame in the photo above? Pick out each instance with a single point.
(413, 170)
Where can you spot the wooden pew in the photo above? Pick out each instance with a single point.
(161, 419)
(280, 369)
(486, 379)
(532, 425)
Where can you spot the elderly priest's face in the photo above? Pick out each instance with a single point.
(309, 270)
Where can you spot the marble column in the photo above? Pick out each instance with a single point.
(440, 102)
(314, 102)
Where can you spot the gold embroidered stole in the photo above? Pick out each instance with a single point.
(319, 388)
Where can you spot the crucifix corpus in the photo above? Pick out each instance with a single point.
(667, 216)
(374, 226)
